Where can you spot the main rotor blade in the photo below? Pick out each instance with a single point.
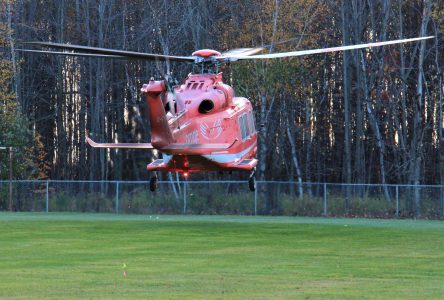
(73, 54)
(242, 52)
(326, 50)
(105, 51)
(252, 51)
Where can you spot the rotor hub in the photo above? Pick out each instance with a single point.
(206, 53)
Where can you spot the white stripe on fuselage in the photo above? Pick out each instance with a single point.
(228, 157)
(219, 158)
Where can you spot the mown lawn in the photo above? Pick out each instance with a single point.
(54, 256)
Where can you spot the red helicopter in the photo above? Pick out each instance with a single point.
(199, 125)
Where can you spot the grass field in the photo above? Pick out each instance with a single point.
(54, 256)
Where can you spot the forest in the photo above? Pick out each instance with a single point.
(361, 116)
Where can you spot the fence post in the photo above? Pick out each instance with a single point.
(185, 183)
(325, 199)
(397, 201)
(255, 198)
(10, 179)
(47, 196)
(442, 200)
(117, 197)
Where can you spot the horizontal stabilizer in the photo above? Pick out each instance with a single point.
(119, 145)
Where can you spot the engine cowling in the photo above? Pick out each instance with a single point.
(212, 103)
(219, 98)
(228, 92)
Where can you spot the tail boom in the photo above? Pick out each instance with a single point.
(161, 135)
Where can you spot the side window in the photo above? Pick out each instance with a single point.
(243, 127)
(251, 122)
(247, 133)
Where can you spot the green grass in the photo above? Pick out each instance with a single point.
(55, 255)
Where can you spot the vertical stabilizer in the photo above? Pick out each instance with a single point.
(161, 135)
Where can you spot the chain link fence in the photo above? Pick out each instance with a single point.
(225, 197)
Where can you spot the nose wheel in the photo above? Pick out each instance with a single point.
(153, 183)
(252, 180)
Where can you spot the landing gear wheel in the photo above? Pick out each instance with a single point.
(252, 181)
(153, 184)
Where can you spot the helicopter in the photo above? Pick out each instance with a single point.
(199, 125)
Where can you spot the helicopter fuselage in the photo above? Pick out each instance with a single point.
(200, 126)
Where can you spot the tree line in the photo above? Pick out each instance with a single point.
(363, 116)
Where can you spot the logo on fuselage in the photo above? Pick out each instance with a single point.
(211, 133)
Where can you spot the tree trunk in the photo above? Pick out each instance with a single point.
(417, 145)
(346, 94)
(294, 156)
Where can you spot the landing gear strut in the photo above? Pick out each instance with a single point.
(252, 180)
(153, 183)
